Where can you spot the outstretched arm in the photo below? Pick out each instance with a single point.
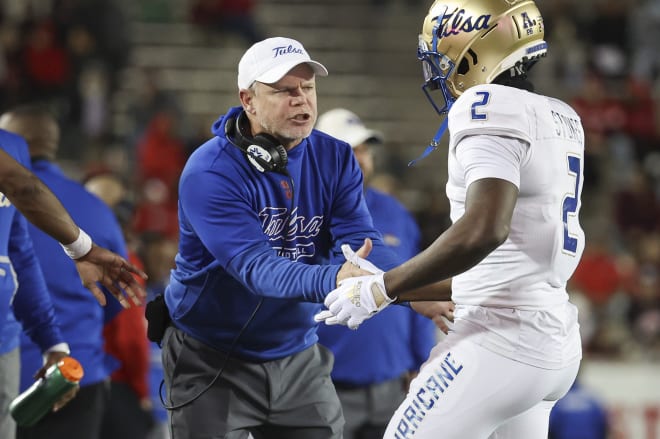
(482, 228)
(35, 201)
(42, 208)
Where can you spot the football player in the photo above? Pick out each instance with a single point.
(515, 173)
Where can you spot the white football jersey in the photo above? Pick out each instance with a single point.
(537, 143)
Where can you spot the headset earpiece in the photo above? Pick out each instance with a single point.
(277, 153)
(263, 151)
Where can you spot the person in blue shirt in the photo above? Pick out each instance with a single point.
(158, 252)
(95, 265)
(371, 378)
(579, 415)
(261, 206)
(23, 297)
(81, 319)
(129, 397)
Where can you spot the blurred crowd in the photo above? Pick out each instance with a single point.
(67, 53)
(604, 60)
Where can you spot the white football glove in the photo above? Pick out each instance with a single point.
(354, 259)
(355, 300)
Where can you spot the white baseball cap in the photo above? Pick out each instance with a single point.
(347, 126)
(269, 60)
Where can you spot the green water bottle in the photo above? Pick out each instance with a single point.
(33, 404)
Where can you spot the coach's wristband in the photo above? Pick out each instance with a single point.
(80, 247)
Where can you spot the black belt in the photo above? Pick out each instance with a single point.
(347, 385)
(343, 385)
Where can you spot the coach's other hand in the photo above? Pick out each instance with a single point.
(440, 312)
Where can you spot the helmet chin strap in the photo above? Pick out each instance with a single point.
(435, 142)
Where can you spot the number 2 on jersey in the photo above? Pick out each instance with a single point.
(570, 205)
(485, 97)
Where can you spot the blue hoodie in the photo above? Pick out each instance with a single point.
(81, 317)
(247, 236)
(579, 414)
(23, 292)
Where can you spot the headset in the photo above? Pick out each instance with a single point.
(263, 151)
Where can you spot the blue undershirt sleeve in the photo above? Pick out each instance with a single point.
(33, 306)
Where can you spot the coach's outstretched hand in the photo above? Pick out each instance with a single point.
(113, 272)
(350, 304)
(355, 264)
(357, 258)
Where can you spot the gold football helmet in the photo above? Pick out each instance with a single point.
(468, 42)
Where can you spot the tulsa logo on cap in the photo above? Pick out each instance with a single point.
(281, 50)
(269, 60)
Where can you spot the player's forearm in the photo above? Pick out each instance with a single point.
(455, 251)
(38, 204)
(482, 228)
(436, 291)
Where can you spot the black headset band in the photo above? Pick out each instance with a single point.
(263, 151)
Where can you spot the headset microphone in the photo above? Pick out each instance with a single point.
(263, 151)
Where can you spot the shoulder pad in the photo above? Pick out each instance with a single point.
(491, 109)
